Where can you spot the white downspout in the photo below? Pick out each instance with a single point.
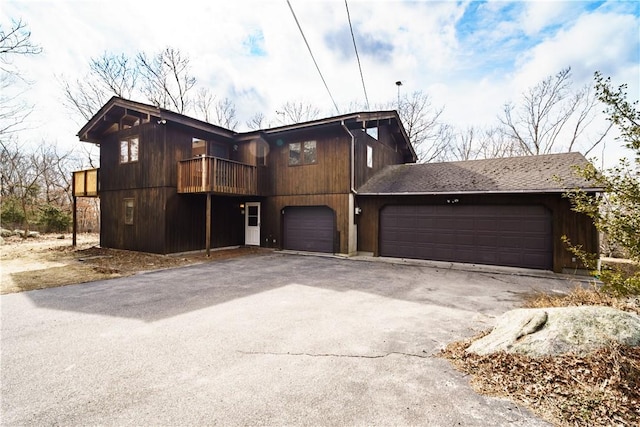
(353, 231)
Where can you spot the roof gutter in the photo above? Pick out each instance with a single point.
(353, 155)
(319, 122)
(439, 193)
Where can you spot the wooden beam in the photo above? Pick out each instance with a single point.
(208, 228)
(75, 220)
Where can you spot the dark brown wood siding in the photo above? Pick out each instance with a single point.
(148, 171)
(146, 234)
(186, 226)
(385, 153)
(329, 175)
(577, 227)
(164, 221)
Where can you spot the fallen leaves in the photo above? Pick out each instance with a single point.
(601, 389)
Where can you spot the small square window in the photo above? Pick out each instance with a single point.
(198, 147)
(303, 153)
(128, 211)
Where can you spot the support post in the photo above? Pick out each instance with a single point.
(75, 210)
(208, 228)
(75, 222)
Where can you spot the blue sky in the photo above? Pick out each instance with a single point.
(470, 57)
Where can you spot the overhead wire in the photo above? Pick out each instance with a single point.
(355, 48)
(313, 57)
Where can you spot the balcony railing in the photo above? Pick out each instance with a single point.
(215, 175)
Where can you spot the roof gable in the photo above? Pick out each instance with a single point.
(119, 109)
(352, 121)
(527, 174)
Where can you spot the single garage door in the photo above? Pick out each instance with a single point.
(309, 228)
(517, 236)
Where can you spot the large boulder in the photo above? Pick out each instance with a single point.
(559, 330)
(5, 233)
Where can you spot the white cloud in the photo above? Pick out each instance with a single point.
(598, 41)
(539, 15)
(509, 46)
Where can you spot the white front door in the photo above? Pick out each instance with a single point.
(252, 223)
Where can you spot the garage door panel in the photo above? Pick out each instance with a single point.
(517, 236)
(309, 228)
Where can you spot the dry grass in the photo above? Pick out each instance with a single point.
(602, 389)
(45, 263)
(583, 296)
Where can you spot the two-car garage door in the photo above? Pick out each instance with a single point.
(518, 236)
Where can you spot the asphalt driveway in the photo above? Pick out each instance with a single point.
(271, 339)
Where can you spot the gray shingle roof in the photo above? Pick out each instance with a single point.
(527, 174)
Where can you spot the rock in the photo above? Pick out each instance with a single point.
(5, 233)
(60, 237)
(1, 240)
(554, 331)
(18, 233)
(33, 234)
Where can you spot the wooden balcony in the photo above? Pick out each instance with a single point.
(214, 175)
(85, 183)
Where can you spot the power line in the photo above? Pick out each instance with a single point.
(312, 57)
(357, 56)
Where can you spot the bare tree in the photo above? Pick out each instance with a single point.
(204, 103)
(463, 145)
(109, 75)
(224, 110)
(15, 40)
(256, 121)
(551, 117)
(84, 96)
(226, 114)
(297, 112)
(35, 178)
(478, 143)
(21, 175)
(166, 79)
(430, 137)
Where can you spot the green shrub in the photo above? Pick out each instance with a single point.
(11, 214)
(618, 280)
(54, 219)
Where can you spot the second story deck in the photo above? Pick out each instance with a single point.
(207, 174)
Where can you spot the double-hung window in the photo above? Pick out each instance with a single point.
(129, 150)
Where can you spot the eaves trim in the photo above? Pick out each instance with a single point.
(477, 192)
